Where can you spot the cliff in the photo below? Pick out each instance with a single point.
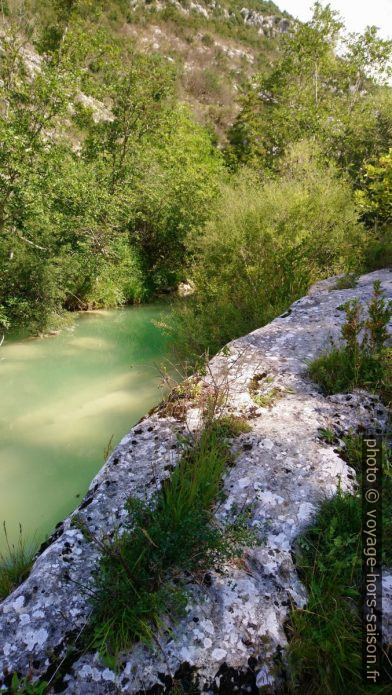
(233, 636)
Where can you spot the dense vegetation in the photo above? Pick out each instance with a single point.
(112, 189)
(111, 192)
(96, 197)
(325, 637)
(309, 193)
(325, 645)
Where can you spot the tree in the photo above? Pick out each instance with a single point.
(327, 86)
(96, 200)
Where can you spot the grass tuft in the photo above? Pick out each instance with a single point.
(339, 371)
(27, 687)
(346, 282)
(231, 426)
(327, 435)
(140, 587)
(325, 648)
(15, 562)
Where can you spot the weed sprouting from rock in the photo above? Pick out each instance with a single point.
(15, 562)
(364, 361)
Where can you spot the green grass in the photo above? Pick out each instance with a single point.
(26, 687)
(346, 282)
(266, 400)
(262, 394)
(140, 587)
(231, 426)
(15, 562)
(363, 361)
(327, 435)
(353, 455)
(325, 637)
(341, 371)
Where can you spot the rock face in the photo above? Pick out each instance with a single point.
(233, 637)
(268, 25)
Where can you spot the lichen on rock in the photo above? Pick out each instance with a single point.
(233, 636)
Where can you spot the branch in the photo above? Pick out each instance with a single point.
(36, 246)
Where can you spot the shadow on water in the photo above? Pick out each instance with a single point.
(63, 399)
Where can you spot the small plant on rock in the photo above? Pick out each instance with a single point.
(27, 687)
(15, 562)
(327, 435)
(363, 361)
(141, 584)
(346, 282)
(325, 636)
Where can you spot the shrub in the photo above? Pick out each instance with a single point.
(346, 282)
(374, 201)
(362, 362)
(378, 251)
(375, 198)
(263, 246)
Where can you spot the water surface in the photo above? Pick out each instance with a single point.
(64, 400)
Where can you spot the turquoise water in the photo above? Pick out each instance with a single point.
(65, 401)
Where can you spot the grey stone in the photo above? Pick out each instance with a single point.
(234, 629)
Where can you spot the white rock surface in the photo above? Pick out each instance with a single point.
(233, 636)
(267, 25)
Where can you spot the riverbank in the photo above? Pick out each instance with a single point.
(66, 402)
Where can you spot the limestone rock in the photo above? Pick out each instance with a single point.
(233, 636)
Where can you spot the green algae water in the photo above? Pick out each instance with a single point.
(65, 402)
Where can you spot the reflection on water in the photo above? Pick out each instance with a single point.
(62, 399)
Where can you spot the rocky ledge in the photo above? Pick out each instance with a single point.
(268, 26)
(233, 637)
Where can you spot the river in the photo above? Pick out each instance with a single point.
(65, 401)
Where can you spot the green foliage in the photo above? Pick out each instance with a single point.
(230, 426)
(380, 313)
(378, 251)
(362, 362)
(341, 372)
(266, 400)
(15, 562)
(263, 246)
(339, 98)
(325, 645)
(174, 193)
(27, 687)
(346, 282)
(352, 453)
(102, 221)
(375, 199)
(108, 187)
(140, 587)
(327, 435)
(325, 649)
